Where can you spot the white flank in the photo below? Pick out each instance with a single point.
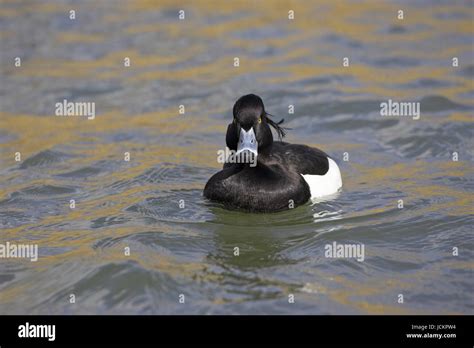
(327, 184)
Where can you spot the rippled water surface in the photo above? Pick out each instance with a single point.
(190, 250)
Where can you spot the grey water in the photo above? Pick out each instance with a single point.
(141, 234)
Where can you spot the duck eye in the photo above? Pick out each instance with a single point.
(259, 120)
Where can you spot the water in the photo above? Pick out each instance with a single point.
(190, 250)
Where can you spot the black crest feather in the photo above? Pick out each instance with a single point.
(281, 131)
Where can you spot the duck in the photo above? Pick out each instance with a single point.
(266, 175)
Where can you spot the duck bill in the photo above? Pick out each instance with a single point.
(247, 142)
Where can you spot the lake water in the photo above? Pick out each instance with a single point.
(189, 250)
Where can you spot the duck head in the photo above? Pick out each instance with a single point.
(250, 128)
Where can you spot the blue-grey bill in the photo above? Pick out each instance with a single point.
(247, 142)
